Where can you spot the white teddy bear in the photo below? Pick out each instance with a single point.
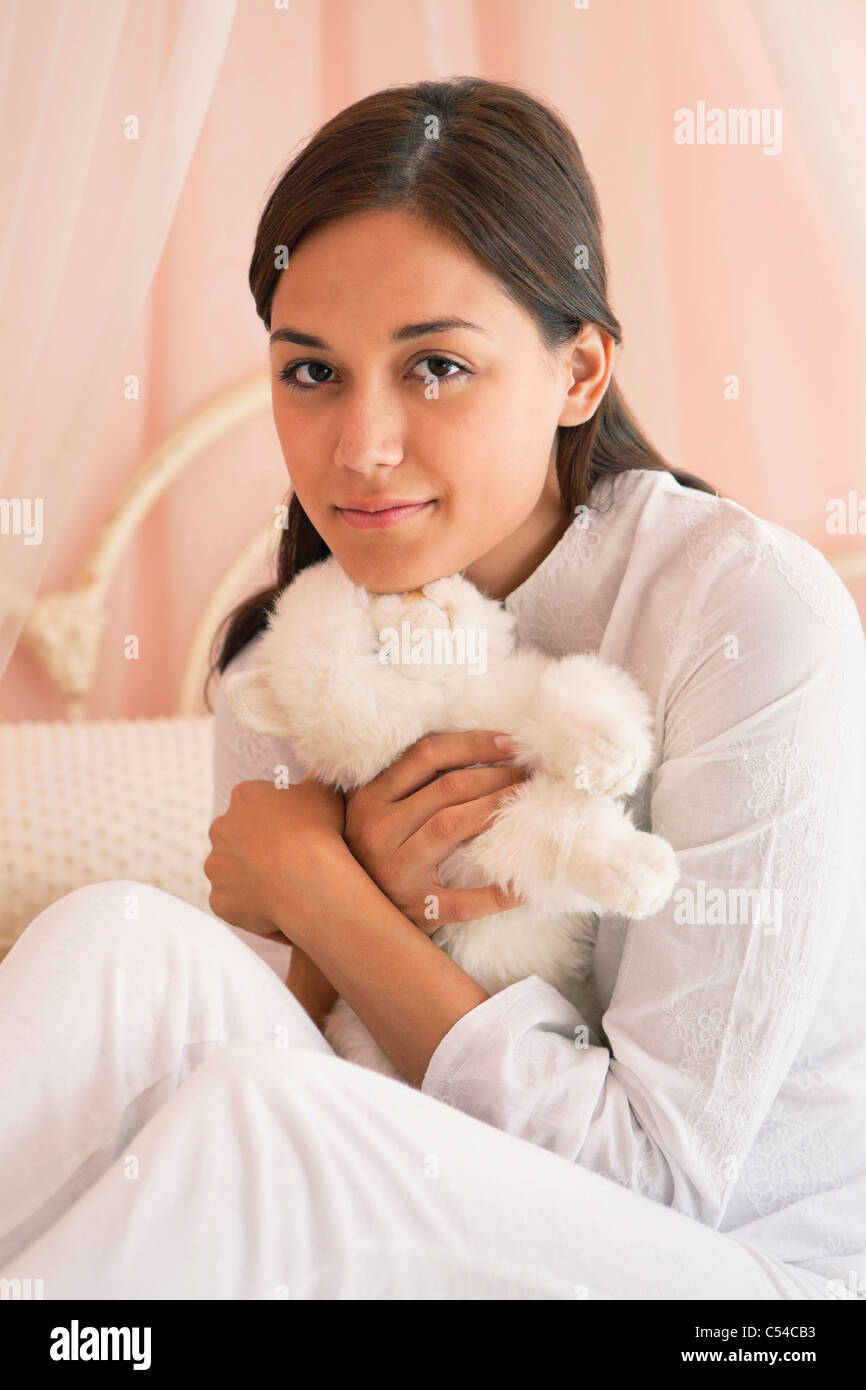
(354, 678)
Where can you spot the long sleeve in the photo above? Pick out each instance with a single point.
(240, 755)
(760, 790)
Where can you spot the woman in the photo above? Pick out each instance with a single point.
(431, 274)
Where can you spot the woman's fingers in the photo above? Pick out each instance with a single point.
(460, 786)
(448, 828)
(434, 754)
(402, 824)
(448, 905)
(419, 857)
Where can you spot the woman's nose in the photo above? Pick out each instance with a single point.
(371, 435)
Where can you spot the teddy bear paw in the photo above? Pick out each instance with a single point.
(646, 874)
(608, 766)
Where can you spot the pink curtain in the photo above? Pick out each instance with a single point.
(140, 141)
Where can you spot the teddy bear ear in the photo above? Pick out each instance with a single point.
(251, 699)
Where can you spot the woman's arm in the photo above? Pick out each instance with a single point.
(403, 823)
(405, 990)
(279, 857)
(310, 987)
(239, 755)
(422, 828)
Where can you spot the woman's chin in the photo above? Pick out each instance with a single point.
(381, 574)
(389, 581)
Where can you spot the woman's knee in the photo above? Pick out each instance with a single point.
(121, 914)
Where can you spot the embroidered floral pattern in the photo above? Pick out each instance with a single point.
(255, 750)
(707, 533)
(794, 791)
(802, 567)
(649, 1178)
(805, 569)
(788, 1162)
(724, 1060)
(542, 619)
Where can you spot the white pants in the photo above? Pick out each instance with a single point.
(174, 1126)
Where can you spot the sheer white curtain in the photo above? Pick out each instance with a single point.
(78, 249)
(817, 50)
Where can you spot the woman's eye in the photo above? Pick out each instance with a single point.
(448, 362)
(310, 365)
(288, 374)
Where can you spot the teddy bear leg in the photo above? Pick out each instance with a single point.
(589, 723)
(631, 874)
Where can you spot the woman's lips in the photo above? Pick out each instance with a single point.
(390, 516)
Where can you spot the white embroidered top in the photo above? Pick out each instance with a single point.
(734, 1087)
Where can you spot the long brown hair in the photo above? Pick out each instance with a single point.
(499, 173)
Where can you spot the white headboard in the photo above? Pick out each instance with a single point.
(64, 628)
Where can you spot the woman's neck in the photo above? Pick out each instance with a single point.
(504, 568)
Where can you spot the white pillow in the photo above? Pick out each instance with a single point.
(102, 799)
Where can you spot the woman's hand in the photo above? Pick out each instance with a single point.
(270, 851)
(403, 823)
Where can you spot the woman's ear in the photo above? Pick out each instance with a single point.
(589, 365)
(251, 699)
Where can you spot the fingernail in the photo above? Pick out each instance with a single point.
(506, 744)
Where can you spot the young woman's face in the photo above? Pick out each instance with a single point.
(391, 408)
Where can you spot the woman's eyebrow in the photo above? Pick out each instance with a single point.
(409, 330)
